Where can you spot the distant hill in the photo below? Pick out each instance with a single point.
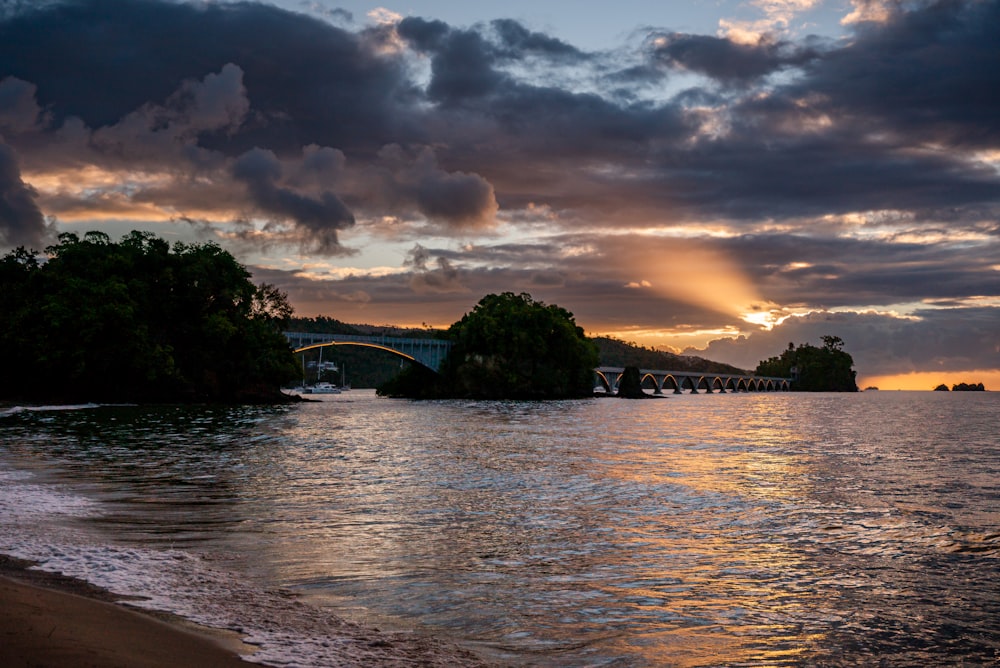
(369, 368)
(615, 352)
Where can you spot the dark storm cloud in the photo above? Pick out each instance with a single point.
(101, 59)
(21, 221)
(414, 185)
(462, 63)
(942, 340)
(322, 215)
(454, 197)
(19, 112)
(725, 60)
(423, 128)
(827, 272)
(442, 278)
(516, 41)
(927, 75)
(804, 147)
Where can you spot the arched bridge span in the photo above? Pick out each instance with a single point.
(428, 352)
(695, 381)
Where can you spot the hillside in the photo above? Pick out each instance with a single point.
(615, 352)
(370, 368)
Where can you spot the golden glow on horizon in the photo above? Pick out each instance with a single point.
(767, 319)
(90, 177)
(928, 380)
(90, 193)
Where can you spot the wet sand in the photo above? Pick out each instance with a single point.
(49, 620)
(43, 627)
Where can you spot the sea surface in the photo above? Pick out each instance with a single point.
(697, 530)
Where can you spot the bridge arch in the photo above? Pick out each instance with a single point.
(315, 346)
(603, 380)
(656, 384)
(427, 352)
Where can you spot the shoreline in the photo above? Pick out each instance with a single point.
(50, 619)
(47, 619)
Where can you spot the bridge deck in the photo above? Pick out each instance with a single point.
(428, 352)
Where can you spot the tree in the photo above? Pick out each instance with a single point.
(510, 347)
(826, 369)
(137, 320)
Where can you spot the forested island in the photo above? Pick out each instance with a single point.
(139, 321)
(813, 369)
(508, 347)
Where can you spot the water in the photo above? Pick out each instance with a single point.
(737, 529)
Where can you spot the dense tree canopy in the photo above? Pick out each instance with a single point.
(511, 347)
(826, 369)
(139, 320)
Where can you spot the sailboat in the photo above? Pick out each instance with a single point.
(321, 386)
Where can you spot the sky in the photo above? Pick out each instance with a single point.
(714, 177)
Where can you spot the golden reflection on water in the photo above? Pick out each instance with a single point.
(729, 486)
(697, 530)
(703, 583)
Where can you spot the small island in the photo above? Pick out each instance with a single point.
(961, 387)
(508, 347)
(812, 369)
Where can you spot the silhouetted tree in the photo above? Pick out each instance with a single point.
(137, 320)
(511, 347)
(826, 369)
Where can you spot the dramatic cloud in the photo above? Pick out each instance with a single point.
(19, 112)
(443, 278)
(726, 60)
(686, 185)
(946, 340)
(320, 216)
(21, 221)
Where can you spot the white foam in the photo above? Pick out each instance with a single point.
(14, 410)
(22, 501)
(199, 587)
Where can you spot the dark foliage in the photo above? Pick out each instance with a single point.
(138, 320)
(826, 369)
(510, 347)
(968, 387)
(415, 382)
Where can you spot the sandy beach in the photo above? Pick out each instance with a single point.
(49, 620)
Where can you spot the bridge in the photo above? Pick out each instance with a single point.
(428, 352)
(609, 376)
(432, 352)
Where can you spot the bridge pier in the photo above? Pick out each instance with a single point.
(722, 383)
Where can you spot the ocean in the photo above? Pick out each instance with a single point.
(697, 530)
